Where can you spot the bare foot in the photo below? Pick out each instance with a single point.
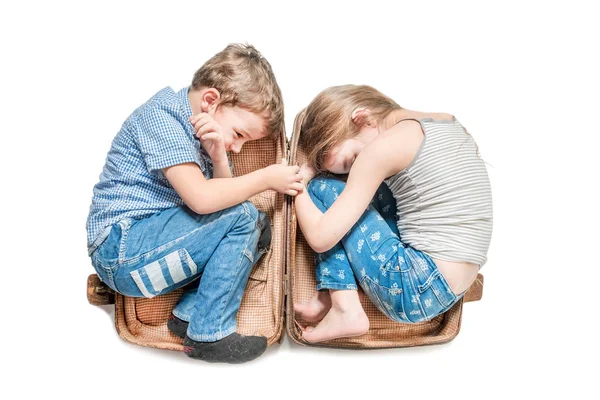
(316, 308)
(338, 324)
(346, 318)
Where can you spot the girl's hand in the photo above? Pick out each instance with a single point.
(307, 172)
(210, 134)
(283, 178)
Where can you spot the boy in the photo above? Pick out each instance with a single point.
(167, 209)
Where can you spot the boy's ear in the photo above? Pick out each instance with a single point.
(210, 100)
(361, 116)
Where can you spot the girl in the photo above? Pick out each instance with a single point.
(413, 223)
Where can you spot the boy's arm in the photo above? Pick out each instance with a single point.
(207, 196)
(221, 169)
(389, 153)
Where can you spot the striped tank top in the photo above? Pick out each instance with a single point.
(444, 197)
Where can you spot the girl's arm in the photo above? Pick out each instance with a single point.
(391, 152)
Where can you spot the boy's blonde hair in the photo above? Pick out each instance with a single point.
(328, 118)
(245, 79)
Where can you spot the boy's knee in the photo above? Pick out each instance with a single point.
(248, 210)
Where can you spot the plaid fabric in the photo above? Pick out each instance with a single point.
(157, 135)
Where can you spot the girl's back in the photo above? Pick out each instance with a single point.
(444, 199)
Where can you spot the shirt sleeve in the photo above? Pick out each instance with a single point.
(164, 141)
(231, 167)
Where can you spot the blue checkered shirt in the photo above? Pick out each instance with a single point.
(157, 135)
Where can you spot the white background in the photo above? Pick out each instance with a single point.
(522, 77)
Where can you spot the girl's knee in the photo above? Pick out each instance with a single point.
(325, 189)
(313, 186)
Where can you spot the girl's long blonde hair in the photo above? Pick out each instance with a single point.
(328, 118)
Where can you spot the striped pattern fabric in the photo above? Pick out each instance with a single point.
(160, 274)
(444, 197)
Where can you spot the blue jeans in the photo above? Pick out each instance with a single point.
(402, 282)
(158, 254)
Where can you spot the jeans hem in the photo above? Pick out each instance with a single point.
(336, 286)
(183, 317)
(212, 337)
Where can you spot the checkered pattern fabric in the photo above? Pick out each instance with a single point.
(157, 135)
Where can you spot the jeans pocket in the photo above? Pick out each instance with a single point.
(105, 273)
(166, 272)
(124, 226)
(385, 255)
(388, 300)
(440, 288)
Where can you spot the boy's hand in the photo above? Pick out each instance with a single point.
(210, 135)
(284, 179)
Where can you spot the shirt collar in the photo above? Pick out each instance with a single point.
(185, 101)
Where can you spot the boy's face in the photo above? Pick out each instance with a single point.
(238, 126)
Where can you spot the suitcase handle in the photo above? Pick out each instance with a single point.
(475, 291)
(98, 293)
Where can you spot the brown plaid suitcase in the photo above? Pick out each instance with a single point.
(283, 276)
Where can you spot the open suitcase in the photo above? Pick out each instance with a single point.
(283, 276)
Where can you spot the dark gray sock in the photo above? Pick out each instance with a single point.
(232, 349)
(235, 348)
(177, 326)
(264, 225)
